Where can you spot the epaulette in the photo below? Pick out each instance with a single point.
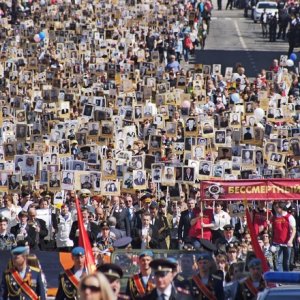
(183, 291)
(180, 278)
(216, 277)
(35, 269)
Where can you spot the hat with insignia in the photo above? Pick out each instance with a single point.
(85, 193)
(20, 250)
(146, 253)
(123, 242)
(111, 271)
(153, 204)
(104, 224)
(204, 256)
(78, 251)
(162, 203)
(231, 247)
(228, 227)
(3, 219)
(255, 262)
(162, 265)
(147, 197)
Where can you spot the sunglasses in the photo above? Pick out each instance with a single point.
(92, 288)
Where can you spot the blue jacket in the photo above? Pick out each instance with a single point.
(10, 289)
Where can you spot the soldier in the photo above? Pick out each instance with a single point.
(253, 284)
(69, 280)
(142, 283)
(205, 285)
(22, 281)
(182, 279)
(7, 240)
(164, 271)
(114, 274)
(104, 240)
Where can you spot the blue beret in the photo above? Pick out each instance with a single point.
(20, 250)
(122, 242)
(146, 253)
(153, 204)
(255, 262)
(78, 251)
(203, 256)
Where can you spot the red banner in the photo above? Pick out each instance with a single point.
(254, 241)
(261, 190)
(84, 240)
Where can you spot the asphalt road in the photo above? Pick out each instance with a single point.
(233, 38)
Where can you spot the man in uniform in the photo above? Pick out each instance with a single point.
(182, 279)
(69, 279)
(7, 240)
(22, 281)
(253, 284)
(104, 239)
(142, 283)
(205, 285)
(164, 272)
(113, 274)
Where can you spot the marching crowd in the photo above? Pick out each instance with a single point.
(97, 97)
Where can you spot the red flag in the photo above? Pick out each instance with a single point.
(84, 240)
(256, 247)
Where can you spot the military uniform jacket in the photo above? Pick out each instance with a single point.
(68, 285)
(213, 290)
(247, 291)
(10, 287)
(7, 241)
(136, 288)
(176, 294)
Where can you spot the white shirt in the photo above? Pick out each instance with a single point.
(167, 292)
(220, 220)
(145, 232)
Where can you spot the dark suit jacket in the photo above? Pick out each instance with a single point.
(184, 225)
(137, 238)
(92, 233)
(33, 238)
(174, 295)
(122, 220)
(161, 230)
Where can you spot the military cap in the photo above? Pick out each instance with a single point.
(104, 224)
(154, 204)
(111, 271)
(228, 227)
(231, 247)
(20, 250)
(146, 253)
(78, 251)
(255, 262)
(3, 219)
(146, 197)
(207, 245)
(162, 265)
(85, 193)
(204, 256)
(162, 203)
(123, 242)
